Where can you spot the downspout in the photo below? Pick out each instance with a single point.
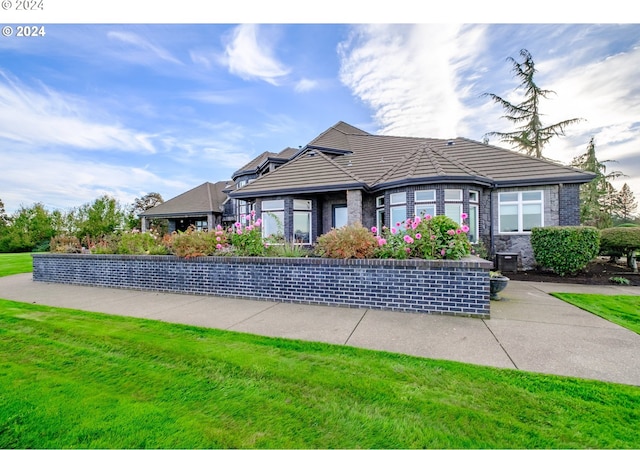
(491, 224)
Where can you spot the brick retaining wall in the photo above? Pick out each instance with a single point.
(441, 287)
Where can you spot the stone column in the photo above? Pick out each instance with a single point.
(354, 207)
(143, 221)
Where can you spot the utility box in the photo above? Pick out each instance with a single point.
(507, 262)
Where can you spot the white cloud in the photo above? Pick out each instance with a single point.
(48, 118)
(306, 85)
(250, 56)
(143, 44)
(408, 75)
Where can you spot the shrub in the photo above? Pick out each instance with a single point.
(351, 241)
(246, 238)
(65, 244)
(192, 243)
(565, 250)
(430, 238)
(619, 241)
(135, 243)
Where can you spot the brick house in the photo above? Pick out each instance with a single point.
(346, 175)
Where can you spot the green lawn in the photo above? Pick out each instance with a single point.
(13, 263)
(621, 309)
(77, 379)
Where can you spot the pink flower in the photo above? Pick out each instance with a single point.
(393, 230)
(408, 239)
(219, 227)
(427, 217)
(398, 224)
(442, 252)
(451, 232)
(408, 250)
(418, 236)
(258, 222)
(219, 246)
(218, 239)
(266, 245)
(253, 213)
(382, 242)
(374, 230)
(249, 228)
(465, 228)
(464, 216)
(458, 231)
(238, 224)
(239, 231)
(433, 237)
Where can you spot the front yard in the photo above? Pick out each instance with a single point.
(78, 379)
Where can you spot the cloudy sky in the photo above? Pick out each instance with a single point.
(130, 108)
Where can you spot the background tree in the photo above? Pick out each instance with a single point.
(97, 219)
(531, 135)
(4, 219)
(29, 228)
(141, 205)
(597, 196)
(625, 204)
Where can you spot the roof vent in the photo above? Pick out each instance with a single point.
(450, 142)
(312, 153)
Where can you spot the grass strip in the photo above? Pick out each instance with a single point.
(14, 263)
(623, 310)
(78, 379)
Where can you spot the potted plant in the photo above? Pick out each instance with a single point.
(497, 282)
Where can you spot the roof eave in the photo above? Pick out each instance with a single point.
(298, 190)
(545, 181)
(434, 179)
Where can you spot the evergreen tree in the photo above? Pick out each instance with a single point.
(625, 204)
(531, 136)
(597, 196)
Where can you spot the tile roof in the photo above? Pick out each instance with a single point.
(346, 157)
(256, 163)
(203, 199)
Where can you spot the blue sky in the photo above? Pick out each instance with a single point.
(126, 109)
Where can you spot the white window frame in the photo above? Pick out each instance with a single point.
(302, 208)
(429, 203)
(520, 203)
(380, 213)
(397, 206)
(275, 208)
(474, 218)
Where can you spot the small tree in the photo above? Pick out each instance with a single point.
(597, 196)
(143, 204)
(531, 136)
(102, 217)
(625, 204)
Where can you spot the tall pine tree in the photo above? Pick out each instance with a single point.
(531, 135)
(625, 204)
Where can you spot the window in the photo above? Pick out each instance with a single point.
(473, 220)
(519, 212)
(453, 210)
(425, 203)
(380, 213)
(339, 216)
(398, 208)
(302, 221)
(273, 219)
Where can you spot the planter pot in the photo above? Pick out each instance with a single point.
(497, 284)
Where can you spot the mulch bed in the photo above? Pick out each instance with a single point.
(597, 272)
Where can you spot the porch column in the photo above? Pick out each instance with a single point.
(143, 221)
(354, 207)
(210, 224)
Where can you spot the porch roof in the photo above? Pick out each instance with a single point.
(201, 200)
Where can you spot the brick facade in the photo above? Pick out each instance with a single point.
(439, 287)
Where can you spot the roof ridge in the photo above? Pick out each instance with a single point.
(456, 162)
(338, 166)
(395, 167)
(434, 162)
(209, 186)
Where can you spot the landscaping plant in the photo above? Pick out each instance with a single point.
(565, 250)
(350, 241)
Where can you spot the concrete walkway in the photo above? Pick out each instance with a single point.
(528, 330)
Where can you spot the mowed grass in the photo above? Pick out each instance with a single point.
(14, 263)
(623, 310)
(77, 379)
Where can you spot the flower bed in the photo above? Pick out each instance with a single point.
(454, 287)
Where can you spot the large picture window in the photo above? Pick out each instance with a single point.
(519, 212)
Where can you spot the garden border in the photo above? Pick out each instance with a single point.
(452, 287)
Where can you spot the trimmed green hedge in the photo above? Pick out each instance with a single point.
(565, 250)
(619, 241)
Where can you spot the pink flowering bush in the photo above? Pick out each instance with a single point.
(424, 237)
(246, 236)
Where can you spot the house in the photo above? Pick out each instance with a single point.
(346, 176)
(201, 207)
